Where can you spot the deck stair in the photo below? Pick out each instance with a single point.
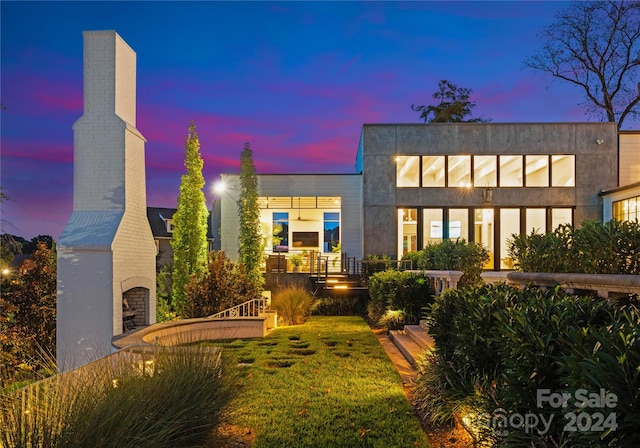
(340, 283)
(411, 341)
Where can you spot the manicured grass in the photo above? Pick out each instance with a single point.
(327, 383)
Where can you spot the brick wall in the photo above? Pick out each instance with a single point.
(138, 299)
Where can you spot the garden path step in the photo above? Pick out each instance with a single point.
(407, 346)
(419, 335)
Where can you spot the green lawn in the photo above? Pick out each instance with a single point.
(327, 383)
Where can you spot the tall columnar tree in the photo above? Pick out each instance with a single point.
(596, 47)
(454, 106)
(189, 239)
(250, 239)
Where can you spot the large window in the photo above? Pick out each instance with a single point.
(563, 171)
(280, 234)
(459, 171)
(483, 232)
(491, 227)
(433, 171)
(535, 221)
(432, 225)
(627, 210)
(459, 223)
(537, 171)
(511, 171)
(331, 231)
(531, 170)
(407, 230)
(509, 225)
(485, 171)
(408, 171)
(561, 216)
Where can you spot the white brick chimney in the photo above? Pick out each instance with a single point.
(106, 248)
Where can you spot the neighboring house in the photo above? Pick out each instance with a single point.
(415, 184)
(161, 222)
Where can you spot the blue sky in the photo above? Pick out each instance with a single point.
(295, 79)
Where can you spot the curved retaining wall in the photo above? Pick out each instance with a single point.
(193, 330)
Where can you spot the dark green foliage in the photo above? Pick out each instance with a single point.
(189, 239)
(372, 264)
(454, 107)
(250, 239)
(164, 281)
(608, 356)
(399, 291)
(340, 305)
(496, 346)
(224, 285)
(595, 248)
(413, 257)
(458, 255)
(28, 318)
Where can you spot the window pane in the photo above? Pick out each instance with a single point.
(407, 231)
(483, 232)
(459, 223)
(485, 171)
(509, 225)
(536, 221)
(459, 171)
(511, 171)
(537, 171)
(433, 171)
(407, 174)
(560, 216)
(331, 232)
(563, 171)
(432, 225)
(280, 234)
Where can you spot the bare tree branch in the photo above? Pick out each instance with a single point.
(596, 46)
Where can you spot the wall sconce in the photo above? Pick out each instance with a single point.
(599, 141)
(488, 196)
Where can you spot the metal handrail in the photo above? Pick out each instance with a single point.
(250, 308)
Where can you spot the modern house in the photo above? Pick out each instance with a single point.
(415, 184)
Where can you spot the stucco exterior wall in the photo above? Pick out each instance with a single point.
(593, 144)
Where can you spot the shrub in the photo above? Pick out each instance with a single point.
(224, 285)
(293, 305)
(413, 257)
(28, 319)
(164, 284)
(398, 291)
(372, 264)
(458, 255)
(176, 400)
(339, 306)
(497, 346)
(595, 248)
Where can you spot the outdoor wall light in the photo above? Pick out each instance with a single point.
(488, 196)
(599, 141)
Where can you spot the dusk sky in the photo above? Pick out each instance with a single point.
(294, 79)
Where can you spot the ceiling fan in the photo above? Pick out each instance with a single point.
(301, 218)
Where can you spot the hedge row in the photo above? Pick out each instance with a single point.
(595, 248)
(501, 352)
